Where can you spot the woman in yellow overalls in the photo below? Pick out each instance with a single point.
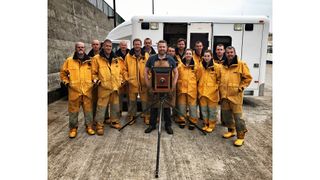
(208, 90)
(187, 89)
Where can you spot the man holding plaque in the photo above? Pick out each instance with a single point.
(161, 60)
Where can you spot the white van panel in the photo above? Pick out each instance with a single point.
(250, 46)
(155, 35)
(251, 52)
(123, 32)
(228, 30)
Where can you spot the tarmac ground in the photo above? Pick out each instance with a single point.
(131, 154)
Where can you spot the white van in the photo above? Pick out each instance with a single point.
(248, 34)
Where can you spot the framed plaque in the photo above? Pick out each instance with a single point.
(161, 79)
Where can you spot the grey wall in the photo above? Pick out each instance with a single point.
(70, 21)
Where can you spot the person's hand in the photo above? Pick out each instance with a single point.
(240, 89)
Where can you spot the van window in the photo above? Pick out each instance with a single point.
(249, 27)
(115, 46)
(145, 25)
(269, 50)
(173, 31)
(225, 40)
(203, 37)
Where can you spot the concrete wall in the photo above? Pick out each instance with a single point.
(70, 21)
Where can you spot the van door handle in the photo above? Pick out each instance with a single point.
(256, 65)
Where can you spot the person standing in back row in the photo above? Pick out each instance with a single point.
(219, 55)
(95, 44)
(198, 56)
(148, 46)
(235, 77)
(121, 54)
(179, 55)
(198, 52)
(123, 50)
(181, 47)
(172, 52)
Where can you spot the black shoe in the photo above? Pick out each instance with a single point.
(181, 126)
(191, 127)
(149, 129)
(169, 130)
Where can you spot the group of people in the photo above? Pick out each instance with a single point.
(201, 78)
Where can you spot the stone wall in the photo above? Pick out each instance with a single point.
(70, 21)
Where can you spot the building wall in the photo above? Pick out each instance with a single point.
(70, 21)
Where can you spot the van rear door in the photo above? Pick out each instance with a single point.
(251, 51)
(199, 32)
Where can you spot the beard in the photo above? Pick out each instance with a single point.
(161, 52)
(230, 57)
(80, 53)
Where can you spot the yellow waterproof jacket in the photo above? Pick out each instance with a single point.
(188, 77)
(234, 78)
(120, 55)
(178, 56)
(197, 57)
(124, 87)
(121, 60)
(209, 79)
(218, 60)
(77, 74)
(110, 71)
(135, 71)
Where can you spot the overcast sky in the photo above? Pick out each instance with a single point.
(129, 8)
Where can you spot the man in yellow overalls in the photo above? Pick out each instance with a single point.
(219, 55)
(148, 47)
(76, 75)
(135, 63)
(121, 54)
(95, 44)
(180, 50)
(235, 77)
(108, 74)
(198, 52)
